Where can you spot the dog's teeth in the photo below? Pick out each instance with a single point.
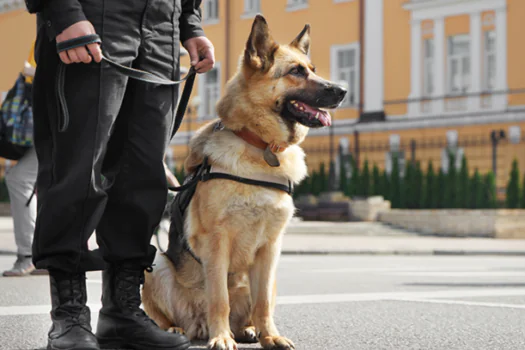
(317, 115)
(293, 102)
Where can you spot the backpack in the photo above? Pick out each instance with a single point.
(16, 121)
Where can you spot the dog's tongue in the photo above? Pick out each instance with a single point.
(323, 116)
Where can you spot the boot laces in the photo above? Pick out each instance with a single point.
(129, 282)
(72, 299)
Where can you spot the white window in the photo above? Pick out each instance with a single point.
(252, 6)
(210, 10)
(343, 161)
(514, 134)
(451, 149)
(345, 70)
(458, 65)
(209, 91)
(489, 60)
(297, 4)
(395, 153)
(428, 68)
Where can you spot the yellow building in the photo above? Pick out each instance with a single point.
(424, 76)
(17, 33)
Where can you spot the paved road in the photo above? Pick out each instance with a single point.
(346, 303)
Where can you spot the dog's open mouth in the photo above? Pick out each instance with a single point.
(308, 115)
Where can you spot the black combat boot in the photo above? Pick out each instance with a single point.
(71, 329)
(122, 323)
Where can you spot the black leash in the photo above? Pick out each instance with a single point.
(127, 71)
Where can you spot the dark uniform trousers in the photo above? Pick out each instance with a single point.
(105, 172)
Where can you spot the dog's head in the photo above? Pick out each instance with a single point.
(276, 90)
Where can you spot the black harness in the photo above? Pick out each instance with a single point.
(177, 239)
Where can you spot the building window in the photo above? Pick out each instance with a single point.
(345, 70)
(515, 134)
(452, 149)
(489, 59)
(209, 91)
(458, 66)
(297, 4)
(210, 10)
(395, 153)
(252, 6)
(428, 68)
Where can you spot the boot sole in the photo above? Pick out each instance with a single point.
(116, 344)
(49, 347)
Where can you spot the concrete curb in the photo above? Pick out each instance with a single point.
(7, 252)
(406, 252)
(380, 252)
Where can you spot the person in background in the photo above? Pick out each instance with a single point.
(20, 180)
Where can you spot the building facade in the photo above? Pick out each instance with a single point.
(425, 77)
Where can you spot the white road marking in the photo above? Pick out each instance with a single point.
(327, 298)
(465, 302)
(461, 273)
(400, 269)
(341, 298)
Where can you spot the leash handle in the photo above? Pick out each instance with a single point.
(127, 71)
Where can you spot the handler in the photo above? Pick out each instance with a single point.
(101, 166)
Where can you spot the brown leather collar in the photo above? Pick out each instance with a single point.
(251, 138)
(254, 140)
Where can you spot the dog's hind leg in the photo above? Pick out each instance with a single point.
(150, 305)
(157, 315)
(240, 316)
(246, 335)
(262, 284)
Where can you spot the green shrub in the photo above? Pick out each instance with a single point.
(513, 187)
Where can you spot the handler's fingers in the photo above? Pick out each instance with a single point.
(73, 56)
(64, 57)
(82, 54)
(96, 52)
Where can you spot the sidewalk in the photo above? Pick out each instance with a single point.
(352, 238)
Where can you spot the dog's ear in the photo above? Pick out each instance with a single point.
(260, 47)
(302, 42)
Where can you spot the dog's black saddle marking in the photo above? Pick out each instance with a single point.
(177, 239)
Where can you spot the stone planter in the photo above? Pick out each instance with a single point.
(500, 223)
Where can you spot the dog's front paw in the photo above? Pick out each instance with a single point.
(276, 342)
(222, 343)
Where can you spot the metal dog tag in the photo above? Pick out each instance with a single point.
(271, 158)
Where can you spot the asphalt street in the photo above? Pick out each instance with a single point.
(345, 303)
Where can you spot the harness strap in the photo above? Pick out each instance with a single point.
(127, 71)
(210, 176)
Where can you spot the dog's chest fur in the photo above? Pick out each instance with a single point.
(248, 215)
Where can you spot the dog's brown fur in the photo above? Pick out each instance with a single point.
(236, 229)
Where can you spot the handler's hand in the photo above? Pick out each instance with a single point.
(79, 54)
(200, 46)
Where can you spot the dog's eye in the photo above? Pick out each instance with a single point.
(298, 70)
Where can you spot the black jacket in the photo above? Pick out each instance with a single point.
(60, 14)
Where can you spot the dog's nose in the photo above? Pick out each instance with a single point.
(337, 90)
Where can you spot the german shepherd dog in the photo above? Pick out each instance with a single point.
(235, 229)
